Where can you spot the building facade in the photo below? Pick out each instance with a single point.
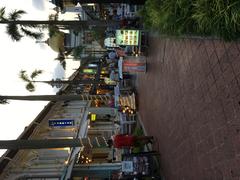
(66, 120)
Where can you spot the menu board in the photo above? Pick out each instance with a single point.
(133, 64)
(127, 37)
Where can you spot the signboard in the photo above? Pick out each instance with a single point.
(127, 37)
(93, 117)
(60, 122)
(134, 65)
(90, 71)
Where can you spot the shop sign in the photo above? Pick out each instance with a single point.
(134, 65)
(127, 37)
(93, 117)
(89, 71)
(60, 122)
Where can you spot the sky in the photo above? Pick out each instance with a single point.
(24, 55)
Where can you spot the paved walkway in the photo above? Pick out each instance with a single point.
(189, 99)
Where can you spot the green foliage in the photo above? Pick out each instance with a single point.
(138, 132)
(23, 75)
(30, 87)
(12, 31)
(17, 31)
(4, 101)
(34, 35)
(77, 51)
(36, 73)
(219, 18)
(15, 15)
(2, 13)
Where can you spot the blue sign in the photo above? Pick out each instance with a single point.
(60, 122)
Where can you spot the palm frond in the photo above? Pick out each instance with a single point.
(37, 26)
(4, 101)
(2, 13)
(23, 71)
(36, 73)
(13, 32)
(24, 76)
(16, 14)
(30, 87)
(34, 35)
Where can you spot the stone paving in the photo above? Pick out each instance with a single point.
(189, 99)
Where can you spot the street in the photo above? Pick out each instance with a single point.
(189, 100)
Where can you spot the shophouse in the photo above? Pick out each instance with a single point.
(65, 120)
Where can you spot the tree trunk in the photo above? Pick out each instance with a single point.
(97, 23)
(132, 2)
(71, 82)
(56, 97)
(50, 143)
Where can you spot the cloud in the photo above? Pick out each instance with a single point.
(39, 4)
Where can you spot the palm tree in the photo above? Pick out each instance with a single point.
(51, 143)
(30, 86)
(71, 97)
(16, 32)
(31, 80)
(16, 28)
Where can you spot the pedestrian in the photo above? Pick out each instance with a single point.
(128, 141)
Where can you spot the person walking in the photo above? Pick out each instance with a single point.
(128, 141)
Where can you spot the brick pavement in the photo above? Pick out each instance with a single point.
(189, 99)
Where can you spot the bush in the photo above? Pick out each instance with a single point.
(140, 147)
(220, 18)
